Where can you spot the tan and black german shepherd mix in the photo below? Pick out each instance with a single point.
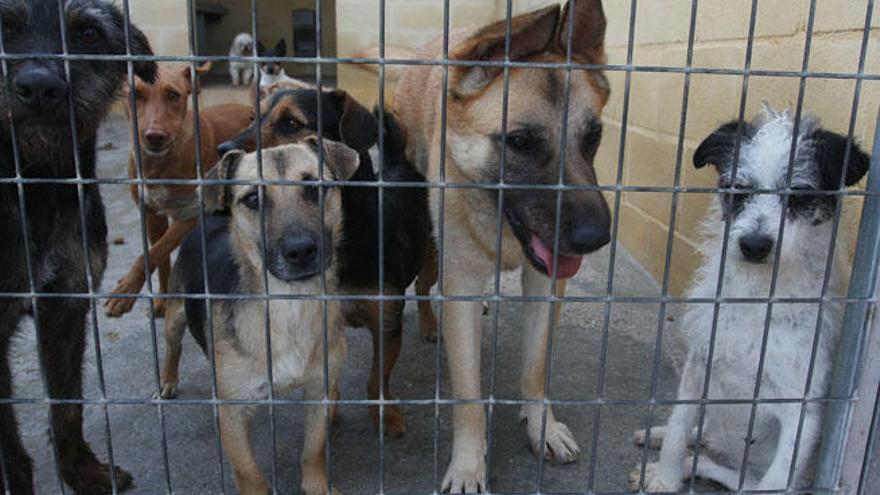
(294, 258)
(533, 150)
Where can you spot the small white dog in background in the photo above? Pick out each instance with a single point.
(241, 72)
(754, 225)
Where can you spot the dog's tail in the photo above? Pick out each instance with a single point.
(392, 72)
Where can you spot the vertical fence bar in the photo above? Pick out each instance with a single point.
(849, 356)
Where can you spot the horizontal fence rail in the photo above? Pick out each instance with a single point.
(850, 404)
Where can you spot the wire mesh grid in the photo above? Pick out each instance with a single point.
(861, 299)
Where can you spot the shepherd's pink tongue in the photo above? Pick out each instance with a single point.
(566, 266)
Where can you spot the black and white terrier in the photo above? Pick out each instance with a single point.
(271, 71)
(755, 215)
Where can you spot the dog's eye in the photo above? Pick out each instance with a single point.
(251, 201)
(173, 96)
(523, 142)
(800, 200)
(89, 35)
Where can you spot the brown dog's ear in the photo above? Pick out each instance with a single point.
(530, 34)
(216, 196)
(186, 72)
(587, 31)
(339, 158)
(358, 127)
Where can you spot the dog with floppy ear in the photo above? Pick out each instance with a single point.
(167, 141)
(291, 115)
(750, 262)
(532, 151)
(300, 246)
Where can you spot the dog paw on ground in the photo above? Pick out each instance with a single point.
(655, 479)
(655, 442)
(95, 479)
(319, 488)
(464, 477)
(169, 391)
(395, 424)
(559, 444)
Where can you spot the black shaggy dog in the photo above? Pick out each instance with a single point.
(46, 225)
(291, 116)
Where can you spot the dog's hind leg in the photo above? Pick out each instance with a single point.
(776, 477)
(175, 325)
(157, 225)
(559, 443)
(16, 469)
(62, 342)
(427, 278)
(392, 335)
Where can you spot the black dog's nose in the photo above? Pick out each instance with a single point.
(586, 237)
(755, 247)
(39, 89)
(299, 251)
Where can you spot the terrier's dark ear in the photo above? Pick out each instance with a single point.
(358, 128)
(718, 147)
(341, 160)
(216, 196)
(281, 48)
(830, 151)
(587, 31)
(530, 34)
(261, 49)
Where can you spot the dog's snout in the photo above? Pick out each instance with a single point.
(586, 237)
(155, 138)
(299, 251)
(755, 247)
(39, 89)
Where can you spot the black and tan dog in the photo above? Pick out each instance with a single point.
(48, 231)
(290, 115)
(533, 149)
(299, 247)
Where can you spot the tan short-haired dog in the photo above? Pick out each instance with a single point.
(533, 149)
(168, 151)
(299, 247)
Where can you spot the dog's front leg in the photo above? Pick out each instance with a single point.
(235, 434)
(461, 337)
(559, 443)
(132, 282)
(667, 474)
(312, 459)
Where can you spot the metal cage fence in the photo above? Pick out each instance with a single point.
(850, 427)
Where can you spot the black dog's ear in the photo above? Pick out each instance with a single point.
(341, 160)
(587, 31)
(530, 34)
(281, 48)
(358, 128)
(140, 45)
(216, 196)
(718, 147)
(830, 151)
(261, 49)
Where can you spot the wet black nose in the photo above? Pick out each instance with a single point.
(299, 251)
(755, 247)
(39, 89)
(586, 237)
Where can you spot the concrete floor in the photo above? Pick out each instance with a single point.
(130, 371)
